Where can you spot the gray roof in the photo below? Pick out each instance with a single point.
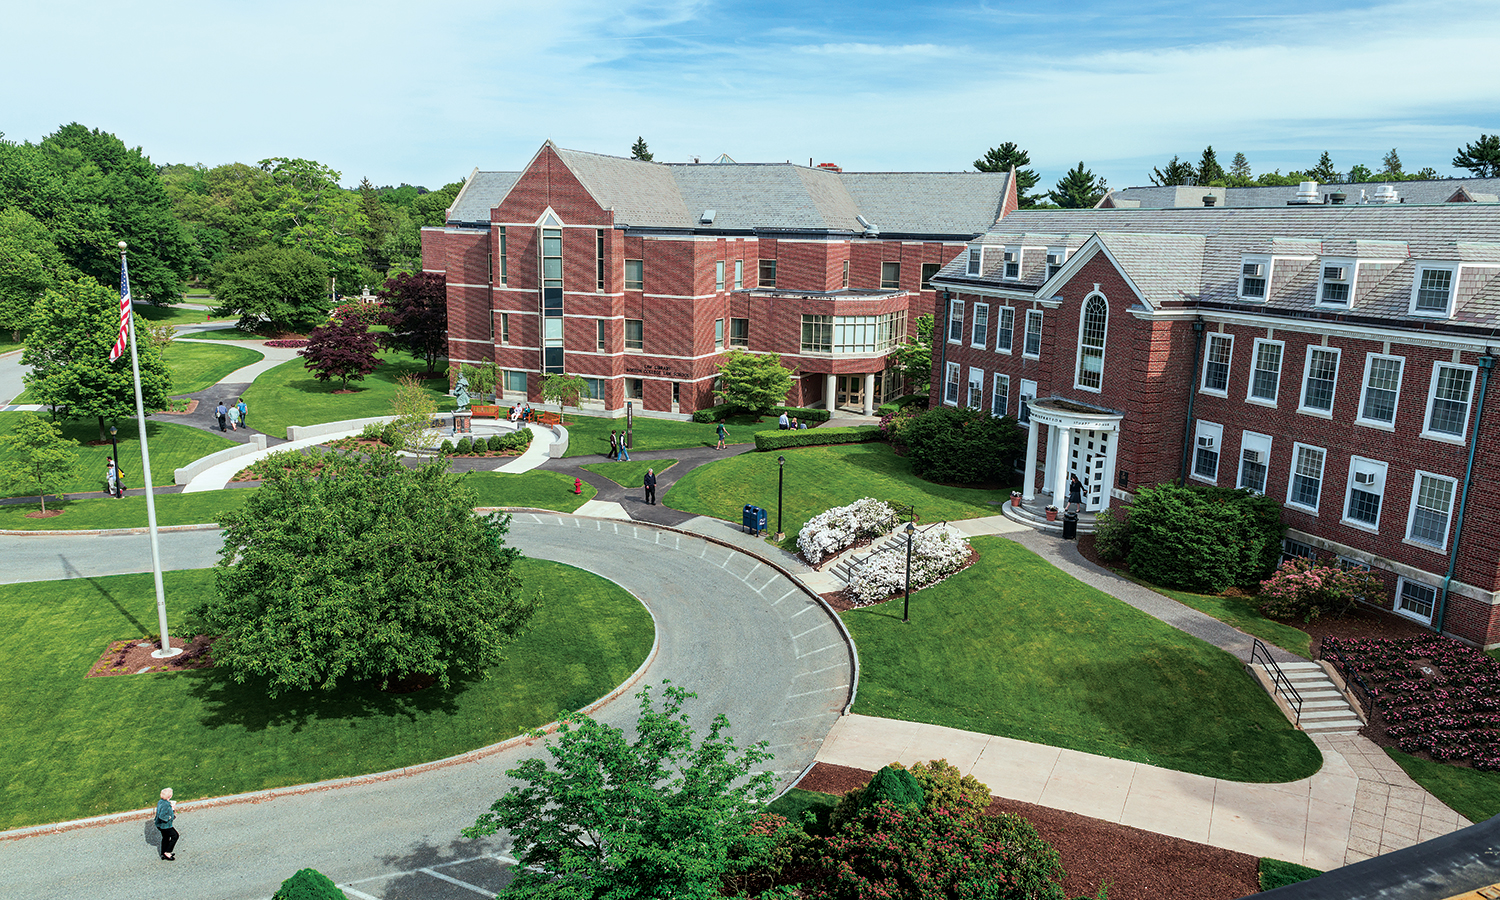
(480, 194)
(1479, 190)
(953, 205)
(1194, 255)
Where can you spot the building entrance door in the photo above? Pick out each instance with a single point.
(851, 391)
(1086, 459)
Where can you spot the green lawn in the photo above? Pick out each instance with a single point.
(589, 435)
(1473, 794)
(819, 478)
(1243, 613)
(537, 489)
(7, 346)
(172, 446)
(630, 474)
(1014, 647)
(290, 395)
(103, 512)
(199, 366)
(110, 744)
(170, 315)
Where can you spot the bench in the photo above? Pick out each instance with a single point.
(491, 410)
(550, 418)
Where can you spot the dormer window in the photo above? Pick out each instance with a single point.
(1013, 263)
(1055, 259)
(1255, 277)
(1432, 294)
(1336, 286)
(974, 257)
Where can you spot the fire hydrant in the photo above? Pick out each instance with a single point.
(578, 485)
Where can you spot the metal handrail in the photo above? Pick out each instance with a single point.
(1352, 679)
(1283, 685)
(858, 562)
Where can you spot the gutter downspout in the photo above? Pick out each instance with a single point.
(1486, 363)
(941, 337)
(1187, 435)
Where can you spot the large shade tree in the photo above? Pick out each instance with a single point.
(272, 289)
(368, 572)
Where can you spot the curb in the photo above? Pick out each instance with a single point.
(205, 526)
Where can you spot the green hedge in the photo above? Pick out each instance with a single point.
(1203, 539)
(712, 413)
(715, 413)
(802, 414)
(814, 437)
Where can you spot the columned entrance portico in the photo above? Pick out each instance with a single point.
(1080, 442)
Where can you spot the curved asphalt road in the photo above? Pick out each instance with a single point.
(747, 639)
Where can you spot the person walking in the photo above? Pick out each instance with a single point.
(166, 815)
(1075, 494)
(650, 485)
(241, 408)
(622, 452)
(112, 477)
(723, 436)
(222, 412)
(614, 446)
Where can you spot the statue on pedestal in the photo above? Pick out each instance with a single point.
(461, 391)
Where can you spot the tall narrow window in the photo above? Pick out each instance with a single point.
(1091, 334)
(718, 334)
(599, 258)
(1000, 399)
(1033, 333)
(1023, 402)
(505, 328)
(1366, 490)
(1209, 439)
(552, 301)
(1320, 378)
(950, 384)
(844, 282)
(739, 332)
(1337, 284)
(955, 321)
(719, 275)
(1431, 503)
(976, 389)
(1265, 380)
(768, 273)
(1005, 329)
(1216, 363)
(1377, 403)
(981, 335)
(1254, 273)
(635, 275)
(929, 271)
(504, 271)
(975, 254)
(601, 335)
(1012, 263)
(635, 334)
(739, 274)
(1307, 477)
(1448, 403)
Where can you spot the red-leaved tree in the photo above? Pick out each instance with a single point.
(416, 312)
(343, 349)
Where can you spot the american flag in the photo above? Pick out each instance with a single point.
(119, 349)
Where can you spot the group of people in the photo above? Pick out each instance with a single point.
(112, 478)
(618, 450)
(522, 413)
(785, 424)
(231, 417)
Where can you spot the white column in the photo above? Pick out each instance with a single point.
(1109, 470)
(830, 393)
(1060, 472)
(870, 394)
(1028, 486)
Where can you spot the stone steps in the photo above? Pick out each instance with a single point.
(1324, 708)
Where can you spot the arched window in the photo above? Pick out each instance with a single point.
(1091, 334)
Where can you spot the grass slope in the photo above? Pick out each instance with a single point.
(1244, 613)
(1014, 647)
(199, 366)
(110, 744)
(630, 474)
(172, 446)
(818, 478)
(170, 315)
(589, 435)
(290, 395)
(537, 489)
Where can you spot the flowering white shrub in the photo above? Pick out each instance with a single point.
(839, 528)
(935, 555)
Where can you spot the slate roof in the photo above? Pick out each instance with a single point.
(1193, 256)
(1478, 190)
(769, 196)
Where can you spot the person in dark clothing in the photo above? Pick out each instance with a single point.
(166, 815)
(1075, 494)
(222, 412)
(650, 486)
(614, 446)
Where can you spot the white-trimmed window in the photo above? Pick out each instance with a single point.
(1431, 509)
(595, 388)
(975, 254)
(1023, 403)
(719, 275)
(1093, 328)
(1000, 398)
(1208, 438)
(766, 276)
(1255, 277)
(1366, 492)
(890, 276)
(955, 321)
(1216, 364)
(1005, 329)
(1336, 282)
(1448, 401)
(1307, 477)
(1255, 461)
(976, 389)
(1012, 263)
(739, 275)
(981, 333)
(1432, 291)
(1295, 549)
(1415, 600)
(601, 335)
(1319, 378)
(950, 385)
(718, 334)
(1056, 256)
(1033, 347)
(1265, 377)
(1381, 391)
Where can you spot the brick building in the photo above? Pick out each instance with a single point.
(639, 275)
(1334, 357)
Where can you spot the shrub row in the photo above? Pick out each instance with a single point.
(781, 440)
(1200, 538)
(715, 413)
(905, 400)
(495, 443)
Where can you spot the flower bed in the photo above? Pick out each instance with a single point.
(935, 555)
(1434, 695)
(288, 342)
(840, 528)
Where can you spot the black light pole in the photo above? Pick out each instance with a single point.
(116, 446)
(780, 480)
(911, 530)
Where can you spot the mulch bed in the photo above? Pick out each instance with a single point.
(133, 657)
(192, 405)
(1135, 864)
(38, 514)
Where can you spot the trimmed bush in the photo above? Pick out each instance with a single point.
(963, 446)
(496, 442)
(309, 884)
(446, 448)
(1112, 533)
(896, 786)
(945, 787)
(712, 413)
(1203, 539)
(465, 446)
(802, 414)
(391, 436)
(814, 437)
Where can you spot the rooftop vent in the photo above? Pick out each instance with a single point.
(1384, 194)
(865, 224)
(1209, 199)
(1337, 198)
(1307, 193)
(708, 217)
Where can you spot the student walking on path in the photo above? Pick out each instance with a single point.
(614, 446)
(112, 477)
(222, 412)
(166, 815)
(650, 485)
(723, 436)
(241, 408)
(624, 451)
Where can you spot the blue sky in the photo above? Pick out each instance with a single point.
(423, 93)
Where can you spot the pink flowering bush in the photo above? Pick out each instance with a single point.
(840, 528)
(935, 554)
(1301, 589)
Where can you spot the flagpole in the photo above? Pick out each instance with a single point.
(166, 648)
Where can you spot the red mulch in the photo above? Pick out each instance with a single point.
(1135, 864)
(192, 405)
(44, 515)
(133, 657)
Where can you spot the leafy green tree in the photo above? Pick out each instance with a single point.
(30, 264)
(565, 390)
(70, 334)
(1359, 173)
(1426, 173)
(1239, 172)
(640, 151)
(368, 572)
(659, 815)
(416, 312)
(1001, 159)
(1209, 170)
(1324, 172)
(915, 357)
(1481, 157)
(1079, 189)
(341, 349)
(1392, 163)
(311, 212)
(1175, 172)
(752, 381)
(416, 411)
(37, 458)
(1276, 179)
(272, 289)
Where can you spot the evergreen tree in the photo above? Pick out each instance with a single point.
(1324, 172)
(1001, 159)
(1481, 158)
(1392, 165)
(1175, 172)
(640, 151)
(1209, 170)
(1239, 172)
(1079, 189)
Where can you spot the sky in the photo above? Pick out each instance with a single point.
(424, 93)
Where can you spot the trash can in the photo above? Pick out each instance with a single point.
(1070, 526)
(753, 519)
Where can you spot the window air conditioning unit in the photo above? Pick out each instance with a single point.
(1254, 270)
(1253, 456)
(1205, 441)
(1054, 259)
(1335, 273)
(1364, 477)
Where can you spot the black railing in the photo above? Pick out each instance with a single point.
(900, 512)
(1359, 689)
(1282, 684)
(855, 563)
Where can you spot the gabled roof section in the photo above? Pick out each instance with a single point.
(756, 195)
(639, 192)
(480, 194)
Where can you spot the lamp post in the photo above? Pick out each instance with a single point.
(780, 481)
(115, 445)
(911, 531)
